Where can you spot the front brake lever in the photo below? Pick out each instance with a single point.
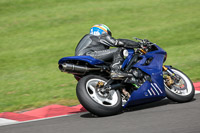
(138, 39)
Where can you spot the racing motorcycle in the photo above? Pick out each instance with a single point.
(150, 81)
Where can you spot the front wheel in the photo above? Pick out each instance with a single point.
(96, 102)
(179, 88)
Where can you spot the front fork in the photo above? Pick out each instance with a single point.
(172, 75)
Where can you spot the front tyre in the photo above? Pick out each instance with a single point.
(96, 102)
(181, 90)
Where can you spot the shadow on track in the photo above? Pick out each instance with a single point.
(139, 107)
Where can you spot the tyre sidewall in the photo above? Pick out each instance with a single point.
(91, 105)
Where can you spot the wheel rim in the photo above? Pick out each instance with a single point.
(108, 99)
(183, 88)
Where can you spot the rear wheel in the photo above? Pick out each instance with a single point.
(96, 102)
(180, 89)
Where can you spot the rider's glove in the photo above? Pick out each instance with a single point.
(110, 41)
(129, 43)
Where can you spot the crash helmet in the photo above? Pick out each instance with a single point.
(99, 29)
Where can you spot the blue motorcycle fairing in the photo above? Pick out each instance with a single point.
(148, 92)
(128, 58)
(154, 90)
(88, 59)
(156, 64)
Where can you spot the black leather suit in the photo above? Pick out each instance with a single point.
(98, 47)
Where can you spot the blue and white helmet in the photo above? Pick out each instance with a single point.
(99, 29)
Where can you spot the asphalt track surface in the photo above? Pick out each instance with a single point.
(159, 117)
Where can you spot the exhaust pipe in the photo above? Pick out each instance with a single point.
(71, 68)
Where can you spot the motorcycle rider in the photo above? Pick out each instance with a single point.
(97, 44)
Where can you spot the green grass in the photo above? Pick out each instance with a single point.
(35, 34)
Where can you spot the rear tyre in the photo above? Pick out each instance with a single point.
(182, 91)
(94, 101)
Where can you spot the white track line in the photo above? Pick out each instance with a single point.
(4, 121)
(197, 92)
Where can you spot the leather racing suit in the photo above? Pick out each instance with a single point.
(98, 48)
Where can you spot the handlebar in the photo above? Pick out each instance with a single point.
(144, 41)
(145, 44)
